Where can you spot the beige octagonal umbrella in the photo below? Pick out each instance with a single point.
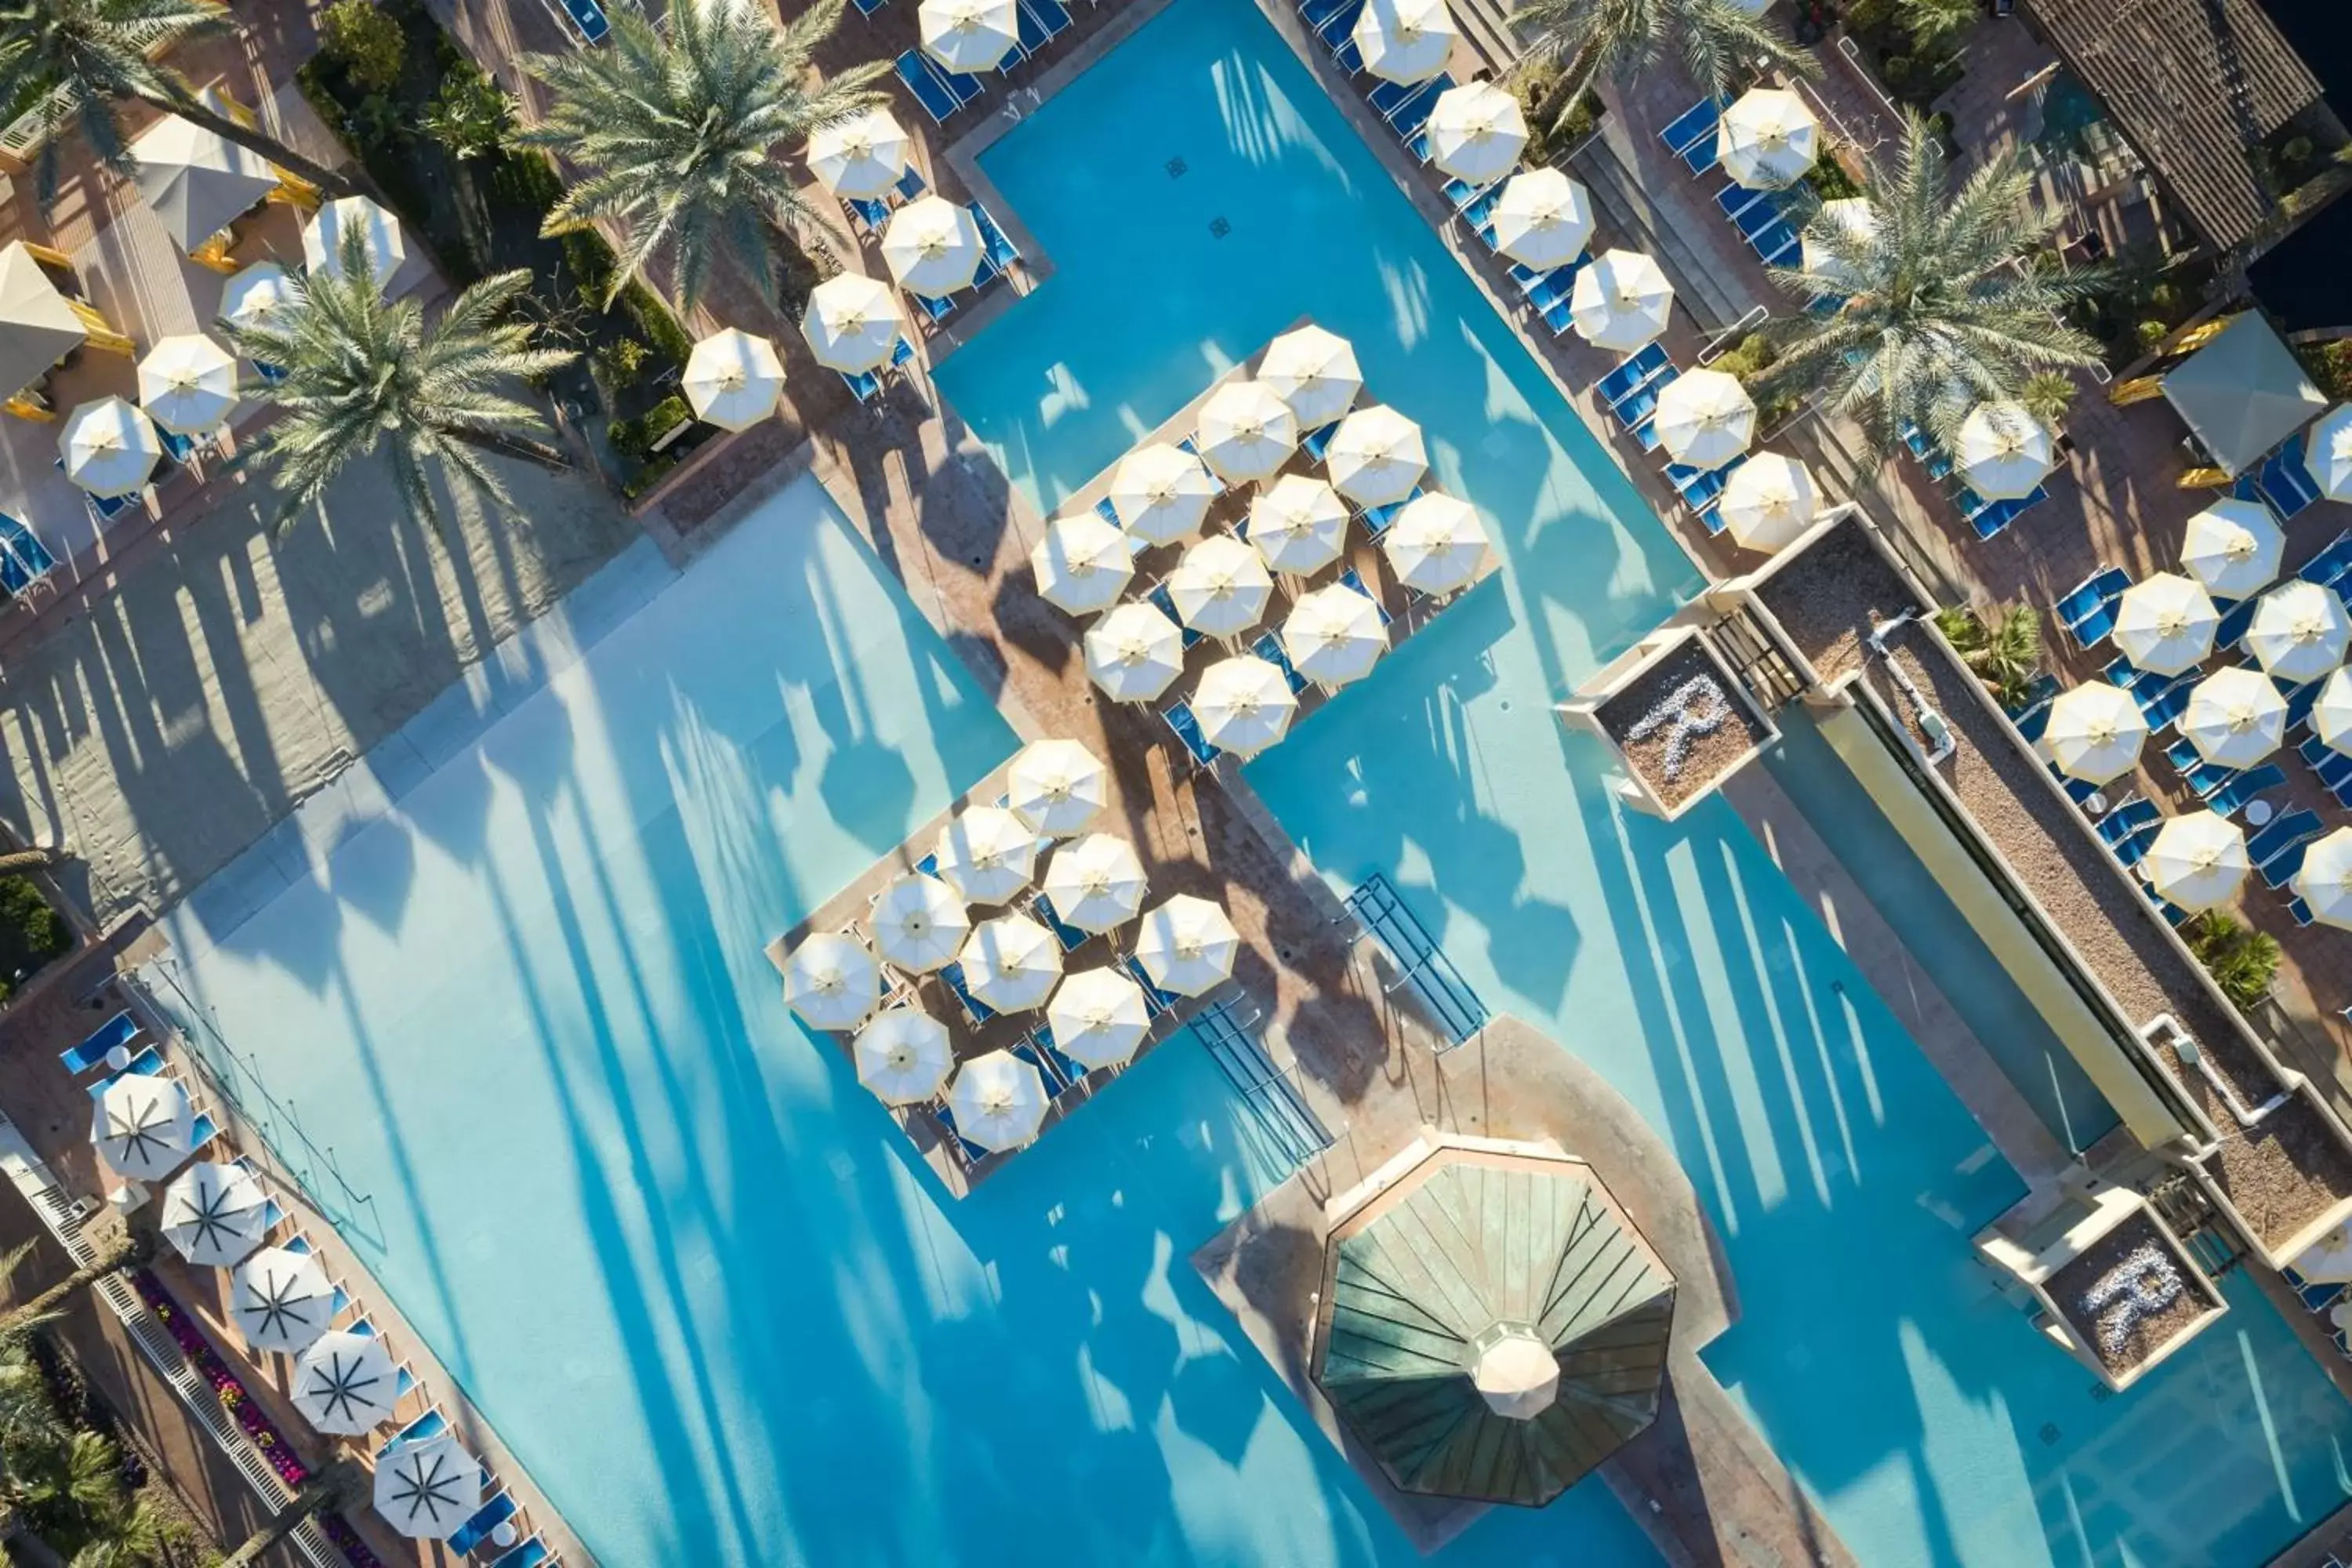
(2198, 859)
(986, 854)
(918, 922)
(1769, 501)
(832, 981)
(2299, 631)
(1010, 963)
(1315, 372)
(188, 383)
(379, 232)
(968, 35)
(2165, 624)
(197, 181)
(2003, 451)
(1768, 139)
(2324, 881)
(1187, 946)
(1620, 302)
(1096, 883)
(999, 1102)
(2235, 718)
(1246, 431)
(1435, 544)
(1542, 219)
(1083, 564)
(345, 1383)
(1221, 587)
(1161, 492)
(1056, 787)
(1405, 40)
(425, 1488)
(1243, 705)
(1298, 524)
(142, 1125)
(2095, 733)
(1704, 418)
(2233, 548)
(853, 323)
(1134, 653)
(37, 324)
(904, 1055)
(733, 380)
(2331, 715)
(931, 247)
(2327, 453)
(1376, 456)
(1098, 1017)
(860, 157)
(1334, 636)
(109, 448)
(281, 1299)
(256, 295)
(1476, 131)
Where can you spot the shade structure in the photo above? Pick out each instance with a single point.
(2299, 631)
(1245, 430)
(861, 157)
(1010, 963)
(733, 380)
(1704, 418)
(2004, 451)
(999, 1102)
(426, 1488)
(1134, 653)
(832, 981)
(1847, 225)
(903, 1055)
(1161, 492)
(2233, 548)
(2244, 392)
(187, 384)
(142, 1125)
(2323, 880)
(1298, 524)
(345, 1384)
(1244, 705)
(1767, 501)
(931, 247)
(1221, 587)
(1477, 132)
(1056, 787)
(2327, 453)
(1098, 1017)
(197, 181)
(1315, 372)
(1620, 302)
(109, 448)
(918, 922)
(37, 324)
(1768, 139)
(1187, 946)
(853, 323)
(969, 35)
(379, 232)
(1376, 456)
(1334, 635)
(214, 1214)
(2235, 718)
(1436, 543)
(2331, 714)
(1096, 883)
(2165, 623)
(254, 296)
(2197, 859)
(986, 854)
(1542, 219)
(281, 1299)
(2095, 733)
(1405, 40)
(1083, 564)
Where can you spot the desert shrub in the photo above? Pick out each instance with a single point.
(365, 42)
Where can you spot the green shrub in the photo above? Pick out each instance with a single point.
(619, 360)
(31, 933)
(469, 116)
(664, 418)
(366, 43)
(2243, 962)
(2152, 335)
(1830, 181)
(2330, 364)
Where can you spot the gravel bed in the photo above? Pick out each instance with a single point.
(1828, 601)
(2148, 1334)
(1706, 757)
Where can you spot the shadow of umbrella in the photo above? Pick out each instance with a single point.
(868, 790)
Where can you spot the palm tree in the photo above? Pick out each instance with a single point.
(2005, 652)
(674, 133)
(132, 1252)
(340, 1485)
(84, 59)
(1941, 308)
(1717, 41)
(362, 370)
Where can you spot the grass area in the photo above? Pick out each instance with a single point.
(31, 933)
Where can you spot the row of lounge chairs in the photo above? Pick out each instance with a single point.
(1759, 215)
(943, 93)
(1178, 715)
(25, 561)
(1630, 395)
(482, 1528)
(1988, 518)
(2281, 481)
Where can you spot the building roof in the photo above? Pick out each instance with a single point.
(2192, 84)
(2244, 392)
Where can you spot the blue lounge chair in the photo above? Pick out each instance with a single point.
(1069, 936)
(2099, 588)
(999, 250)
(1155, 1000)
(2129, 820)
(1559, 316)
(1643, 401)
(2132, 679)
(1736, 199)
(964, 1148)
(2330, 564)
(2165, 709)
(1630, 374)
(1388, 96)
(1408, 121)
(978, 1011)
(1314, 442)
(2284, 481)
(2032, 722)
(934, 310)
(1378, 518)
(2276, 856)
(1028, 1050)
(589, 18)
(2039, 690)
(1553, 287)
(922, 79)
(2231, 629)
(2300, 912)
(1050, 17)
(866, 386)
(867, 8)
(531, 1553)
(2079, 790)
(2232, 796)
(117, 1031)
(1178, 715)
(1355, 579)
(1269, 649)
(432, 1423)
(485, 1519)
(1069, 1069)
(1166, 601)
(2335, 773)
(1692, 126)
(1315, 12)
(24, 559)
(148, 1063)
(1338, 24)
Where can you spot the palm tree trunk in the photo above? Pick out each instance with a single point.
(133, 1252)
(1574, 82)
(259, 143)
(334, 1486)
(547, 455)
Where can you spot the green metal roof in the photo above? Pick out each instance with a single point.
(1469, 1248)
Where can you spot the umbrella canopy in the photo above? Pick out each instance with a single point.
(918, 922)
(1376, 456)
(999, 1101)
(1542, 219)
(1476, 131)
(1096, 883)
(2095, 732)
(142, 1125)
(1313, 370)
(2244, 391)
(1436, 543)
(2327, 1259)
(1620, 302)
(904, 1055)
(1083, 564)
(188, 383)
(2331, 715)
(1246, 430)
(1243, 705)
(426, 1488)
(986, 854)
(214, 1214)
(2233, 548)
(1298, 524)
(1704, 418)
(861, 157)
(323, 238)
(1098, 1017)
(109, 448)
(1010, 963)
(2004, 451)
(346, 1383)
(1334, 635)
(256, 294)
(197, 181)
(281, 1299)
(969, 35)
(2299, 632)
(2328, 453)
(1405, 40)
(1134, 653)
(931, 247)
(1849, 221)
(1768, 139)
(2235, 718)
(733, 380)
(2165, 624)
(1187, 946)
(2198, 859)
(832, 981)
(1219, 588)
(2324, 881)
(1056, 787)
(1769, 501)
(37, 324)
(853, 323)
(1161, 492)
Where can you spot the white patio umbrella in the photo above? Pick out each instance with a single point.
(861, 157)
(323, 238)
(1477, 132)
(2331, 715)
(1134, 653)
(109, 448)
(1245, 430)
(281, 1299)
(1620, 302)
(1313, 370)
(214, 1214)
(254, 295)
(2233, 548)
(2165, 624)
(2235, 718)
(1056, 787)
(2004, 451)
(2327, 453)
(1376, 456)
(1096, 883)
(1851, 217)
(142, 1125)
(733, 380)
(2095, 732)
(2198, 859)
(1187, 945)
(197, 181)
(931, 247)
(999, 1102)
(1334, 636)
(1298, 524)
(969, 35)
(2329, 1259)
(853, 323)
(1704, 418)
(832, 981)
(1161, 492)
(1405, 40)
(426, 1488)
(1010, 963)
(1542, 219)
(1083, 564)
(1098, 1017)
(345, 1384)
(2324, 881)
(904, 1055)
(1768, 139)
(986, 854)
(38, 327)
(187, 384)
(1767, 501)
(918, 922)
(1219, 588)
(1243, 705)
(2299, 631)
(1435, 544)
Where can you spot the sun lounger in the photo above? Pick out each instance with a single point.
(2101, 587)
(2233, 625)
(2032, 722)
(2130, 819)
(1378, 518)
(1339, 23)
(2335, 773)
(2079, 790)
(999, 249)
(116, 1033)
(1037, 1055)
(271, 1210)
(2132, 679)
(589, 18)
(24, 559)
(531, 1553)
(1315, 12)
(1110, 513)
(1069, 1069)
(2278, 868)
(2331, 563)
(1691, 135)
(1069, 936)
(978, 1011)
(1388, 96)
(1314, 442)
(2300, 912)
(148, 1063)
(1269, 649)
(1355, 579)
(865, 386)
(1630, 374)
(2285, 482)
(1643, 401)
(1408, 121)
(867, 8)
(2232, 796)
(1155, 1000)
(477, 1530)
(934, 310)
(964, 1149)
(1161, 597)
(432, 1423)
(1045, 20)
(2039, 690)
(922, 79)
(2164, 709)
(1553, 287)
(1349, 55)
(2301, 700)
(1178, 716)
(1558, 317)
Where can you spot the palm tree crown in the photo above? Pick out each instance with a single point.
(674, 133)
(1717, 42)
